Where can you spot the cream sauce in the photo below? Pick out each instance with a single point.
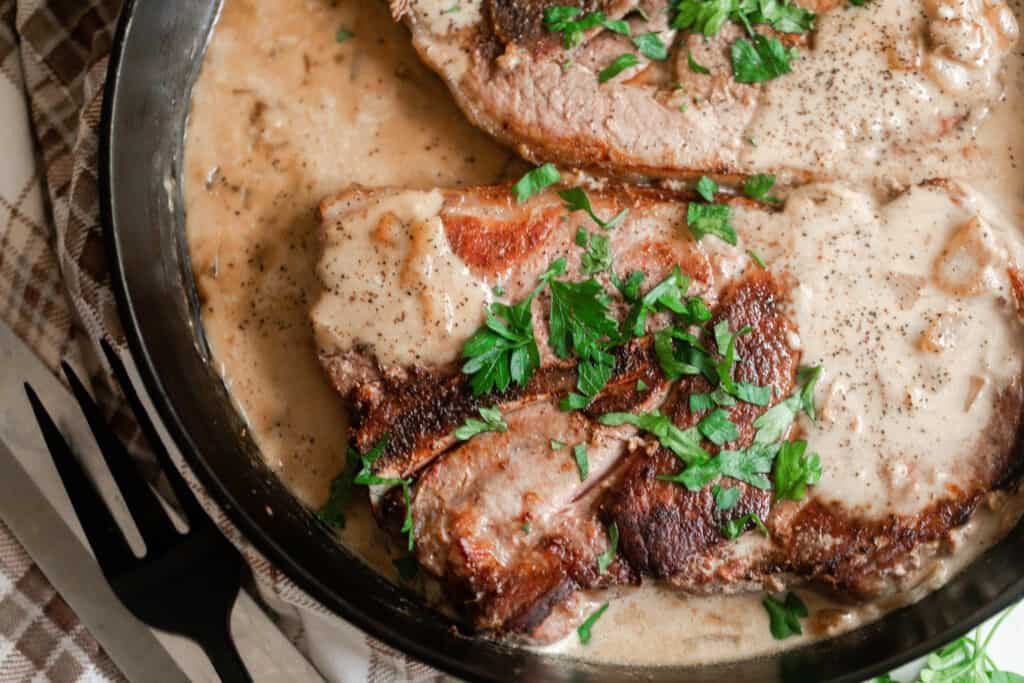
(283, 116)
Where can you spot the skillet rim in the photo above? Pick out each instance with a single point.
(395, 635)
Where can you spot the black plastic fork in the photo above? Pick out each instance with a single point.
(186, 583)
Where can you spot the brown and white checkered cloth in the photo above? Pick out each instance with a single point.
(55, 294)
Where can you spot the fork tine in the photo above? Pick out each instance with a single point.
(193, 512)
(153, 523)
(108, 543)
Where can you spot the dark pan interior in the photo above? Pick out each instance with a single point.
(157, 53)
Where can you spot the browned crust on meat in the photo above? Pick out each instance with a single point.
(420, 414)
(489, 244)
(662, 524)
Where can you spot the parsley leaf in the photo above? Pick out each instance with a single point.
(734, 527)
(579, 316)
(641, 385)
(618, 65)
(598, 255)
(794, 471)
(685, 444)
(492, 422)
(504, 349)
(572, 402)
(576, 200)
(451, 10)
(667, 295)
(726, 342)
(579, 452)
(757, 186)
(726, 498)
(562, 19)
(773, 423)
(605, 559)
(584, 629)
(785, 616)
(708, 16)
(706, 188)
(535, 181)
(332, 512)
(366, 477)
(759, 61)
(701, 402)
(679, 353)
(710, 219)
(757, 259)
(718, 428)
(651, 46)
(343, 34)
(557, 445)
(694, 66)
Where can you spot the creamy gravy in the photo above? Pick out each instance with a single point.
(283, 116)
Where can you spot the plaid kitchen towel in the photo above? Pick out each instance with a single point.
(55, 294)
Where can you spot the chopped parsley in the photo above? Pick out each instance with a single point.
(718, 428)
(694, 66)
(451, 10)
(598, 255)
(706, 188)
(757, 258)
(708, 16)
(584, 629)
(498, 290)
(566, 20)
(605, 559)
(761, 60)
(618, 65)
(573, 401)
(579, 452)
(795, 471)
(680, 353)
(526, 527)
(651, 46)
(332, 512)
(343, 34)
(557, 445)
(773, 423)
(366, 477)
(710, 219)
(641, 385)
(785, 615)
(667, 295)
(749, 465)
(758, 186)
(684, 443)
(492, 422)
(535, 181)
(734, 527)
(576, 200)
(504, 350)
(726, 498)
(581, 321)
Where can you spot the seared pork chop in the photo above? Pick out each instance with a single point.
(888, 80)
(888, 296)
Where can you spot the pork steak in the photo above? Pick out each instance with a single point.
(520, 531)
(889, 81)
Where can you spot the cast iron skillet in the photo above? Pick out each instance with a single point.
(156, 55)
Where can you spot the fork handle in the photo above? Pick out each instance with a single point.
(222, 653)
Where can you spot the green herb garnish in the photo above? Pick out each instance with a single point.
(535, 181)
(785, 615)
(576, 200)
(651, 46)
(598, 255)
(734, 527)
(758, 186)
(605, 559)
(726, 498)
(343, 34)
(761, 60)
(563, 19)
(718, 428)
(757, 258)
(618, 65)
(333, 511)
(706, 188)
(710, 219)
(584, 629)
(794, 471)
(641, 385)
(557, 445)
(694, 66)
(685, 444)
(366, 477)
(579, 452)
(492, 422)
